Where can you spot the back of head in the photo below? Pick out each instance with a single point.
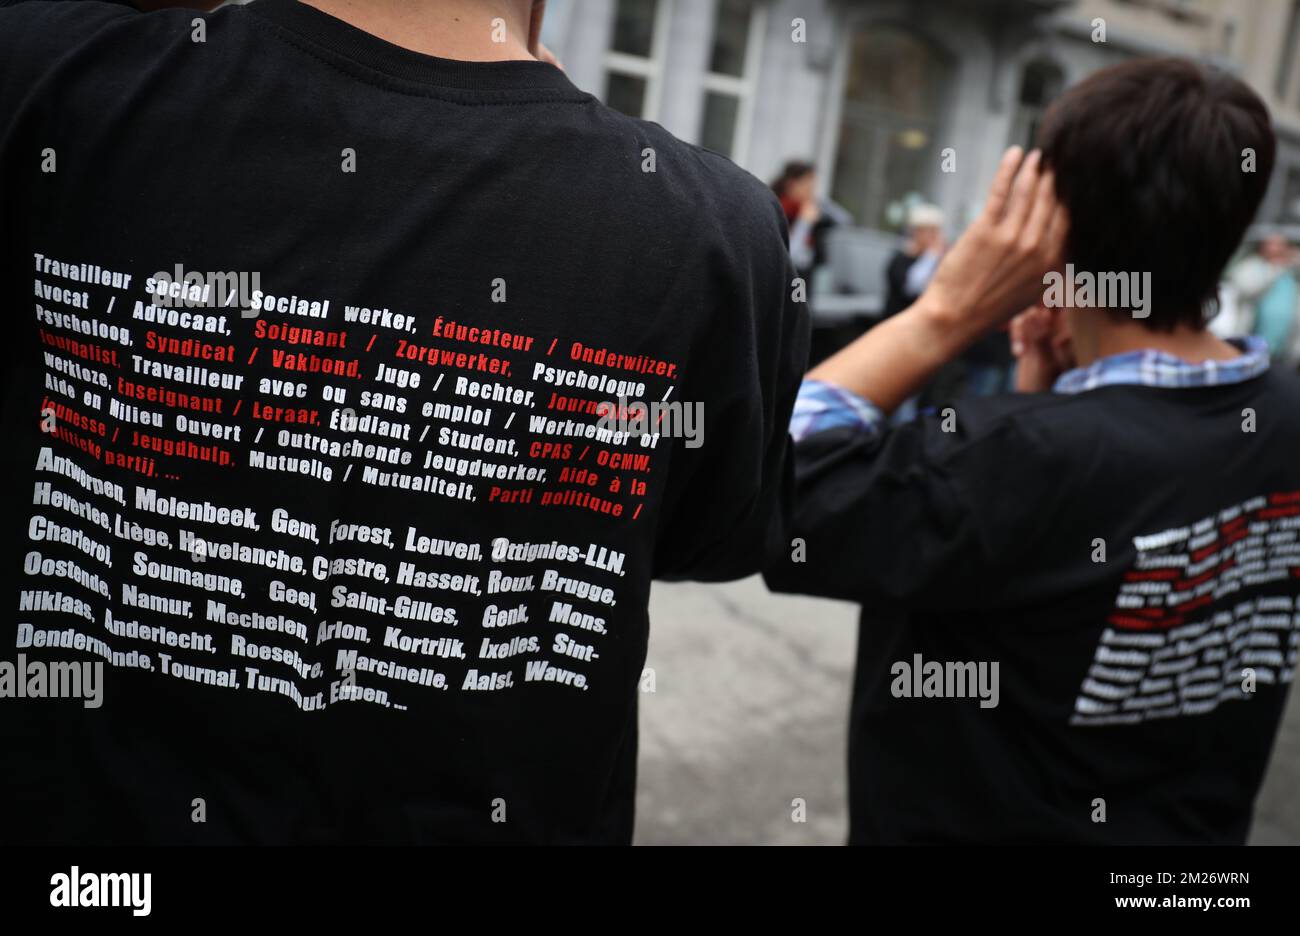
(1162, 164)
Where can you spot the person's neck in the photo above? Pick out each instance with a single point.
(1104, 337)
(465, 30)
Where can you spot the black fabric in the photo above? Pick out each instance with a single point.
(980, 544)
(473, 183)
(897, 297)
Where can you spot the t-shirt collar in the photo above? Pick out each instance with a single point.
(339, 40)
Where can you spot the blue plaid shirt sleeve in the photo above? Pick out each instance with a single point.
(821, 406)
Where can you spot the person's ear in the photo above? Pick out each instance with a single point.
(1062, 340)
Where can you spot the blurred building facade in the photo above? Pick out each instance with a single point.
(898, 101)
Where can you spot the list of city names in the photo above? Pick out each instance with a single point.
(152, 387)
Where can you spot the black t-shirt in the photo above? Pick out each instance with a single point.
(1123, 556)
(361, 532)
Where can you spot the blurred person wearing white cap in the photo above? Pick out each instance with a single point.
(910, 268)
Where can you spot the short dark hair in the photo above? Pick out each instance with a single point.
(1152, 161)
(792, 171)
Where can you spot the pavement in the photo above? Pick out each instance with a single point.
(743, 738)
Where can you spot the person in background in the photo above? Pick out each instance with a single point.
(808, 218)
(1266, 289)
(910, 267)
(907, 273)
(984, 367)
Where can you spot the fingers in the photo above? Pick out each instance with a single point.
(1058, 228)
(1040, 215)
(1023, 193)
(1030, 328)
(1000, 190)
(1017, 333)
